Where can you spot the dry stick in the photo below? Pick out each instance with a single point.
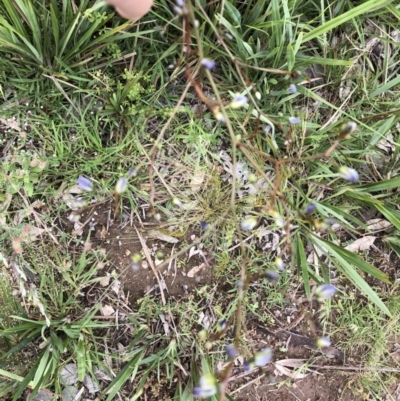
(148, 257)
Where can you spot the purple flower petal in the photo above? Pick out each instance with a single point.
(294, 120)
(238, 101)
(263, 357)
(292, 88)
(85, 184)
(122, 185)
(132, 172)
(325, 291)
(207, 63)
(310, 208)
(348, 174)
(231, 351)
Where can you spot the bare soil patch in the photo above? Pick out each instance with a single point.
(119, 238)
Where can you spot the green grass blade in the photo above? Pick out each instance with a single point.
(342, 261)
(302, 262)
(343, 18)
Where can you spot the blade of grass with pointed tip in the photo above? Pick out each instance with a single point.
(302, 262)
(345, 17)
(385, 185)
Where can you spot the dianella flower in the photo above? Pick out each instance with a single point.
(176, 202)
(121, 186)
(325, 291)
(219, 117)
(207, 63)
(279, 263)
(132, 172)
(323, 342)
(348, 174)
(294, 120)
(347, 129)
(278, 218)
(272, 275)
(248, 223)
(238, 101)
(261, 358)
(207, 387)
(310, 208)
(292, 89)
(85, 184)
(231, 351)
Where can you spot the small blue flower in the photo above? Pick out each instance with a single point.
(292, 89)
(323, 342)
(132, 172)
(310, 208)
(248, 224)
(207, 63)
(294, 120)
(79, 203)
(267, 129)
(85, 184)
(272, 275)
(238, 101)
(203, 225)
(330, 221)
(231, 351)
(121, 186)
(248, 366)
(263, 357)
(207, 387)
(348, 174)
(325, 291)
(221, 326)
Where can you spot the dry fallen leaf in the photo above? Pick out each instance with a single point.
(362, 244)
(378, 224)
(105, 281)
(290, 373)
(107, 310)
(192, 272)
(197, 180)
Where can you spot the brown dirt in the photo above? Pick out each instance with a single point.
(330, 386)
(320, 384)
(120, 240)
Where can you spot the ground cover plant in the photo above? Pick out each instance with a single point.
(187, 197)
